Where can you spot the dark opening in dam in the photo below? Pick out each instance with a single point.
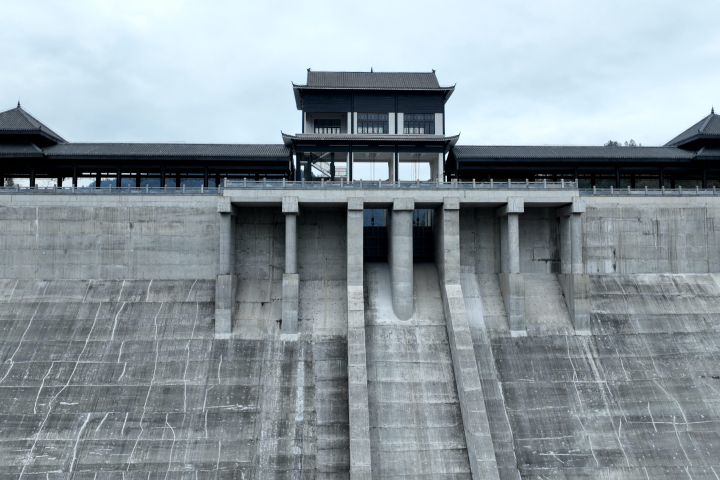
(375, 233)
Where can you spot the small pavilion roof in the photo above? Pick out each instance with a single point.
(17, 121)
(708, 127)
(397, 81)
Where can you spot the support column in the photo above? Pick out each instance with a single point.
(512, 283)
(74, 178)
(440, 168)
(572, 278)
(98, 180)
(226, 282)
(137, 180)
(349, 169)
(298, 162)
(400, 256)
(481, 452)
(118, 178)
(162, 176)
(205, 176)
(308, 169)
(332, 166)
(360, 463)
(291, 280)
(32, 178)
(392, 173)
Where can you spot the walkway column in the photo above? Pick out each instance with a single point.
(291, 281)
(332, 166)
(572, 279)
(226, 281)
(400, 256)
(360, 466)
(512, 283)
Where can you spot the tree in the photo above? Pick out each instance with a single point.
(614, 143)
(9, 182)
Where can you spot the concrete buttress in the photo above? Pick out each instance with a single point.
(573, 280)
(512, 284)
(226, 281)
(400, 256)
(481, 451)
(291, 280)
(360, 456)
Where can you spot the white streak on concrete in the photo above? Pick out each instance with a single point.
(152, 379)
(77, 441)
(41, 386)
(102, 421)
(112, 334)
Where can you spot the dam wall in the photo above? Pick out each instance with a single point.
(111, 366)
(176, 236)
(106, 236)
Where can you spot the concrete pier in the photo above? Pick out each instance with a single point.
(512, 284)
(360, 457)
(400, 256)
(481, 451)
(226, 287)
(573, 280)
(291, 280)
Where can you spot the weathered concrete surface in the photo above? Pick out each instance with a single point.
(109, 236)
(122, 378)
(638, 399)
(416, 426)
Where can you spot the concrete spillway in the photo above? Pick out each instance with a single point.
(415, 421)
(112, 365)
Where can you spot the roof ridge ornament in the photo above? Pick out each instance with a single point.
(712, 109)
(18, 103)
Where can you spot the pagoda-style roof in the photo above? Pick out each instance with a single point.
(706, 129)
(343, 142)
(17, 125)
(378, 81)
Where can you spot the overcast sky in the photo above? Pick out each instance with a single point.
(527, 72)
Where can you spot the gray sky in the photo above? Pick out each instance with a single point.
(527, 72)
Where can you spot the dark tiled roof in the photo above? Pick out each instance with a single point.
(18, 120)
(708, 126)
(358, 137)
(19, 150)
(480, 152)
(166, 150)
(373, 80)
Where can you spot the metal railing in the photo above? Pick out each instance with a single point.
(651, 192)
(379, 184)
(16, 189)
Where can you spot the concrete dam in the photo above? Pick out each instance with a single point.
(269, 330)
